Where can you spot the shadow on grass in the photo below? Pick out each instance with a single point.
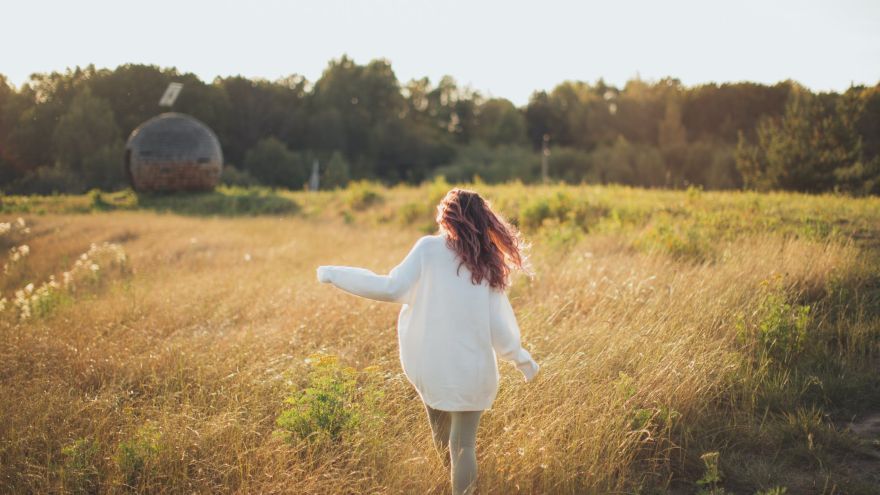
(246, 202)
(224, 201)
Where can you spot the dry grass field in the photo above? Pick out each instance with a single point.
(690, 342)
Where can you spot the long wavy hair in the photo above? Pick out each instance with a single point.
(487, 244)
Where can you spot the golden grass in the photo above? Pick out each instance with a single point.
(196, 350)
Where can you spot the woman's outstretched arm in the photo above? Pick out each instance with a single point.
(394, 287)
(506, 335)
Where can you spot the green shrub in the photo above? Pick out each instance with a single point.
(232, 176)
(782, 329)
(135, 455)
(561, 208)
(96, 200)
(336, 173)
(411, 212)
(271, 162)
(362, 194)
(336, 401)
(79, 472)
(682, 238)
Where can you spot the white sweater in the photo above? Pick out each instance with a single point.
(449, 329)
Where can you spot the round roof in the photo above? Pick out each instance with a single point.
(174, 136)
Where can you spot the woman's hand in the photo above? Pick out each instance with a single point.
(323, 274)
(532, 372)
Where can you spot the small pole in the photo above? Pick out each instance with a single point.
(314, 179)
(545, 159)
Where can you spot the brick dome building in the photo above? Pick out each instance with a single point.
(173, 152)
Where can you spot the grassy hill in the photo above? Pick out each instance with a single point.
(690, 342)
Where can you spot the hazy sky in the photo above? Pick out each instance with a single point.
(500, 47)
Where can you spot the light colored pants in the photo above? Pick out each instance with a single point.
(455, 437)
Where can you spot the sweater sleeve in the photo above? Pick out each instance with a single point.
(394, 287)
(506, 335)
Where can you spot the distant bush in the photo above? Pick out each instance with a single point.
(562, 208)
(362, 194)
(336, 173)
(680, 237)
(272, 163)
(49, 180)
(499, 164)
(232, 176)
(424, 211)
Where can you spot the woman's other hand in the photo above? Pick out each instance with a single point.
(324, 274)
(529, 374)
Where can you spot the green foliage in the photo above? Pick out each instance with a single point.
(712, 475)
(560, 208)
(65, 130)
(682, 238)
(781, 330)
(813, 147)
(136, 454)
(336, 173)
(79, 470)
(500, 122)
(49, 180)
(335, 402)
(86, 127)
(235, 177)
(498, 164)
(361, 195)
(272, 163)
(97, 201)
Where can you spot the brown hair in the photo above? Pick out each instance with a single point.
(485, 243)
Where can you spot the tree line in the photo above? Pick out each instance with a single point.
(65, 132)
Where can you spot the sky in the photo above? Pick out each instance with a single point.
(502, 48)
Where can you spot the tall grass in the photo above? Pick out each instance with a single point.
(689, 342)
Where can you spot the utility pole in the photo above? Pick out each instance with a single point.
(545, 159)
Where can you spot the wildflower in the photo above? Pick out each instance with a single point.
(24, 249)
(84, 256)
(247, 256)
(94, 267)
(29, 287)
(5, 227)
(20, 222)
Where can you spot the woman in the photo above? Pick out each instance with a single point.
(455, 319)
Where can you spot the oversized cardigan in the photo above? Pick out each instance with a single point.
(450, 330)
